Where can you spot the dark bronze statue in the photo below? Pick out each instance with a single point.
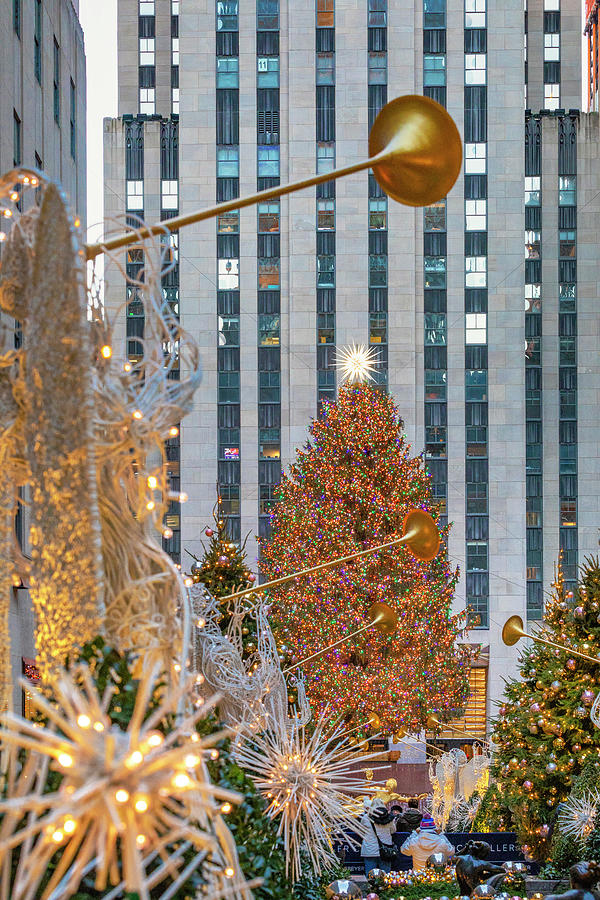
(473, 868)
(584, 876)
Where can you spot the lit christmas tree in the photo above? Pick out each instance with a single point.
(223, 567)
(544, 732)
(349, 489)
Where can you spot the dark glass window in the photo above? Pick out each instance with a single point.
(17, 139)
(37, 41)
(73, 118)
(227, 15)
(267, 15)
(56, 82)
(17, 17)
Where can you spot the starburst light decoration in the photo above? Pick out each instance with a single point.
(357, 363)
(129, 803)
(307, 781)
(577, 815)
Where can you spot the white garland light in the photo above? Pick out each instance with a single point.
(125, 797)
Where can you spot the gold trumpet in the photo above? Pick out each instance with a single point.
(513, 631)
(433, 723)
(415, 152)
(419, 532)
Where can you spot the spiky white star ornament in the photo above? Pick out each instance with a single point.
(126, 799)
(357, 363)
(577, 815)
(307, 781)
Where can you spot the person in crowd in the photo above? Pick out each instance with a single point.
(377, 850)
(410, 818)
(424, 841)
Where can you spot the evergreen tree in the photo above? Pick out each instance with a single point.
(350, 488)
(544, 732)
(223, 567)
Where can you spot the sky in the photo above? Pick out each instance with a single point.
(99, 22)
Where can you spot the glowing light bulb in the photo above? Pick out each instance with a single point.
(69, 826)
(34, 182)
(2, 239)
(106, 351)
(181, 780)
(226, 808)
(214, 754)
(127, 366)
(141, 804)
(134, 760)
(183, 497)
(155, 739)
(188, 581)
(200, 623)
(65, 760)
(152, 482)
(177, 667)
(98, 726)
(140, 840)
(137, 414)
(121, 796)
(84, 721)
(7, 213)
(76, 223)
(174, 431)
(191, 761)
(229, 872)
(167, 533)
(14, 196)
(150, 505)
(57, 836)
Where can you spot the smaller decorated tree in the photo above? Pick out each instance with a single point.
(223, 568)
(544, 733)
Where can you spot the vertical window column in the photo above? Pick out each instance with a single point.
(147, 57)
(228, 264)
(268, 261)
(567, 343)
(476, 311)
(377, 77)
(533, 369)
(551, 54)
(175, 57)
(56, 81)
(325, 203)
(434, 274)
(37, 41)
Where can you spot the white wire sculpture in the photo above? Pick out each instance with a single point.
(455, 779)
(595, 711)
(577, 815)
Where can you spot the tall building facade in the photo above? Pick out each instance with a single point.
(42, 111)
(475, 304)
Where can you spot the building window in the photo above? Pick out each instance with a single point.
(326, 271)
(147, 51)
(37, 41)
(475, 215)
(434, 14)
(325, 157)
(378, 269)
(229, 331)
(377, 13)
(533, 196)
(135, 196)
(17, 139)
(228, 162)
(267, 15)
(475, 158)
(551, 47)
(551, 96)
(169, 195)
(477, 556)
(268, 162)
(435, 271)
(228, 72)
(568, 513)
(477, 503)
(325, 13)
(378, 328)
(56, 82)
(567, 246)
(268, 273)
(175, 51)
(269, 387)
(73, 118)
(378, 214)
(377, 67)
(268, 330)
(268, 217)
(325, 68)
(434, 217)
(175, 100)
(267, 72)
(475, 328)
(476, 385)
(551, 5)
(229, 387)
(475, 271)
(435, 329)
(326, 328)
(269, 443)
(326, 215)
(567, 190)
(474, 13)
(532, 244)
(227, 15)
(228, 274)
(17, 17)
(475, 68)
(434, 70)
(435, 384)
(146, 7)
(147, 101)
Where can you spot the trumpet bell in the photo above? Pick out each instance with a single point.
(424, 150)
(433, 723)
(422, 535)
(383, 618)
(513, 630)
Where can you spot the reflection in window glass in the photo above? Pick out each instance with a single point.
(227, 72)
(567, 190)
(325, 10)
(268, 162)
(268, 217)
(268, 330)
(228, 274)
(268, 273)
(325, 215)
(475, 328)
(227, 162)
(378, 214)
(228, 223)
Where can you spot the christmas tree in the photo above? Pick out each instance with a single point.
(544, 732)
(349, 489)
(223, 567)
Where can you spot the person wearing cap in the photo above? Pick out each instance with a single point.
(424, 841)
(378, 825)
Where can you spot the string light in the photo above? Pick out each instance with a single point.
(106, 351)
